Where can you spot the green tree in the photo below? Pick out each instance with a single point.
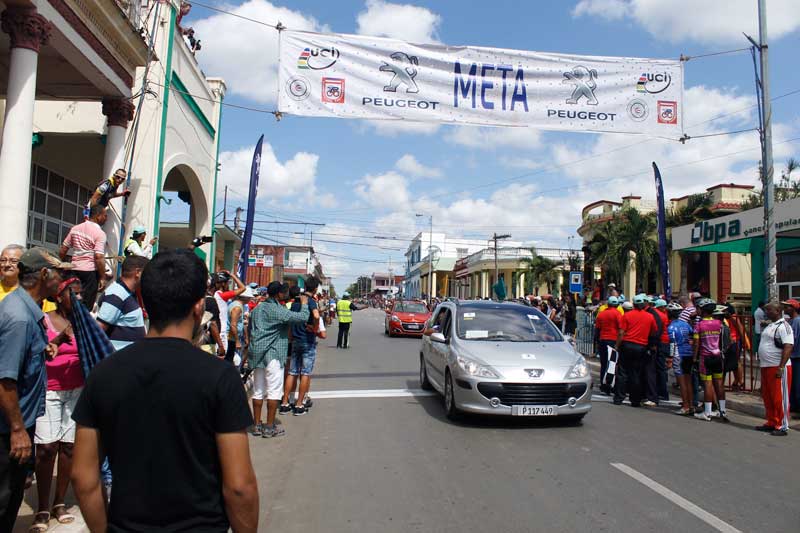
(786, 187)
(603, 250)
(635, 232)
(539, 271)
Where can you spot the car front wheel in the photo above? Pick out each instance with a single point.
(451, 409)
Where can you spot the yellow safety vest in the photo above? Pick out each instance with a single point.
(344, 312)
(125, 248)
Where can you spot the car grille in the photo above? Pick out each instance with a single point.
(532, 393)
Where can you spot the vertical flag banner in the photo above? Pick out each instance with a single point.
(355, 76)
(661, 220)
(255, 171)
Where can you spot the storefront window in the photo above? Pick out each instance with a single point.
(789, 275)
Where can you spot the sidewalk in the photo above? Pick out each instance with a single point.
(744, 402)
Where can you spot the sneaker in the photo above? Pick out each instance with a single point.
(683, 412)
(284, 409)
(723, 416)
(308, 403)
(765, 428)
(715, 414)
(648, 403)
(299, 411)
(274, 431)
(617, 402)
(702, 416)
(257, 430)
(779, 433)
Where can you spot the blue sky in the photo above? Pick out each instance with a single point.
(366, 180)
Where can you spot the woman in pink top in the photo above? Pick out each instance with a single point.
(55, 430)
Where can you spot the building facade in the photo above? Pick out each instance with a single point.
(77, 107)
(721, 275)
(445, 251)
(287, 264)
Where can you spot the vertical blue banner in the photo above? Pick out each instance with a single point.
(255, 171)
(661, 219)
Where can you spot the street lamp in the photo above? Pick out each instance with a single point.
(430, 258)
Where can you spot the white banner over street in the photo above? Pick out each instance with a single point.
(351, 76)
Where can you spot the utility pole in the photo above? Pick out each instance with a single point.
(430, 259)
(496, 238)
(770, 257)
(225, 206)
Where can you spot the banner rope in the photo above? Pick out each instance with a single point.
(689, 58)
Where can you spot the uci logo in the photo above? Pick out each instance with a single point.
(317, 58)
(653, 83)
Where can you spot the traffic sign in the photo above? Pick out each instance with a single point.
(575, 282)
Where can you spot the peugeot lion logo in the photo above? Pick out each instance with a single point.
(535, 372)
(583, 80)
(404, 68)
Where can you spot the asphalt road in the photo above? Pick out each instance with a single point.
(362, 462)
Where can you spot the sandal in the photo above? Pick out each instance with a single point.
(64, 517)
(41, 522)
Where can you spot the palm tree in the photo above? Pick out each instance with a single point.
(603, 250)
(540, 270)
(634, 233)
(785, 189)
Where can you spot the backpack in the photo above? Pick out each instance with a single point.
(777, 338)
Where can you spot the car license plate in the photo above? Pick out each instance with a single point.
(533, 410)
(412, 326)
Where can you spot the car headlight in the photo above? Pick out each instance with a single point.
(579, 370)
(474, 369)
(395, 318)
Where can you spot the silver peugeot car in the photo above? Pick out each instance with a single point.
(502, 359)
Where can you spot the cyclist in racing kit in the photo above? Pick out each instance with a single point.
(682, 353)
(707, 336)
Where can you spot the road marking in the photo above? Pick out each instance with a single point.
(678, 500)
(371, 393)
(661, 403)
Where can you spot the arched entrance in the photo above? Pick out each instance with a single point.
(184, 210)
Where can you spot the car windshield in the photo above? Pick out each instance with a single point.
(505, 323)
(410, 307)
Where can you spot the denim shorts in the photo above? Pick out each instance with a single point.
(303, 357)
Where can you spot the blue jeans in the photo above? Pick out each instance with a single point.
(105, 472)
(303, 357)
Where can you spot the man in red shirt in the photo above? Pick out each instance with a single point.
(606, 330)
(637, 328)
(662, 351)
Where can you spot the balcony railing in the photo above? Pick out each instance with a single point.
(135, 10)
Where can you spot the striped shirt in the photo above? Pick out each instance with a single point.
(120, 310)
(688, 314)
(86, 239)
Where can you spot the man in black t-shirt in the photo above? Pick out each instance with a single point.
(171, 420)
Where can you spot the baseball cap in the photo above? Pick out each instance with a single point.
(660, 303)
(640, 298)
(792, 302)
(613, 300)
(253, 285)
(274, 288)
(139, 230)
(346, 295)
(38, 258)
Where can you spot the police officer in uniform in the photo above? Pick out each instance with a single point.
(344, 310)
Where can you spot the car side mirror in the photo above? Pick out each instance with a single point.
(438, 337)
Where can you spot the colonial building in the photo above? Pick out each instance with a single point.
(288, 264)
(719, 274)
(445, 251)
(77, 106)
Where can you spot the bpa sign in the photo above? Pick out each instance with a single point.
(710, 232)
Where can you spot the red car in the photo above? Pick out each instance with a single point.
(406, 317)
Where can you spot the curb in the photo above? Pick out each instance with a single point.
(751, 408)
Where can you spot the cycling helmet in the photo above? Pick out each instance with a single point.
(674, 306)
(706, 304)
(660, 303)
(720, 310)
(613, 300)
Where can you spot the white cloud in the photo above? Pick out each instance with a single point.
(384, 191)
(395, 128)
(245, 54)
(399, 21)
(488, 138)
(409, 165)
(278, 179)
(521, 162)
(704, 21)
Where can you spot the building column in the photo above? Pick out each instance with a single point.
(28, 31)
(485, 284)
(119, 112)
